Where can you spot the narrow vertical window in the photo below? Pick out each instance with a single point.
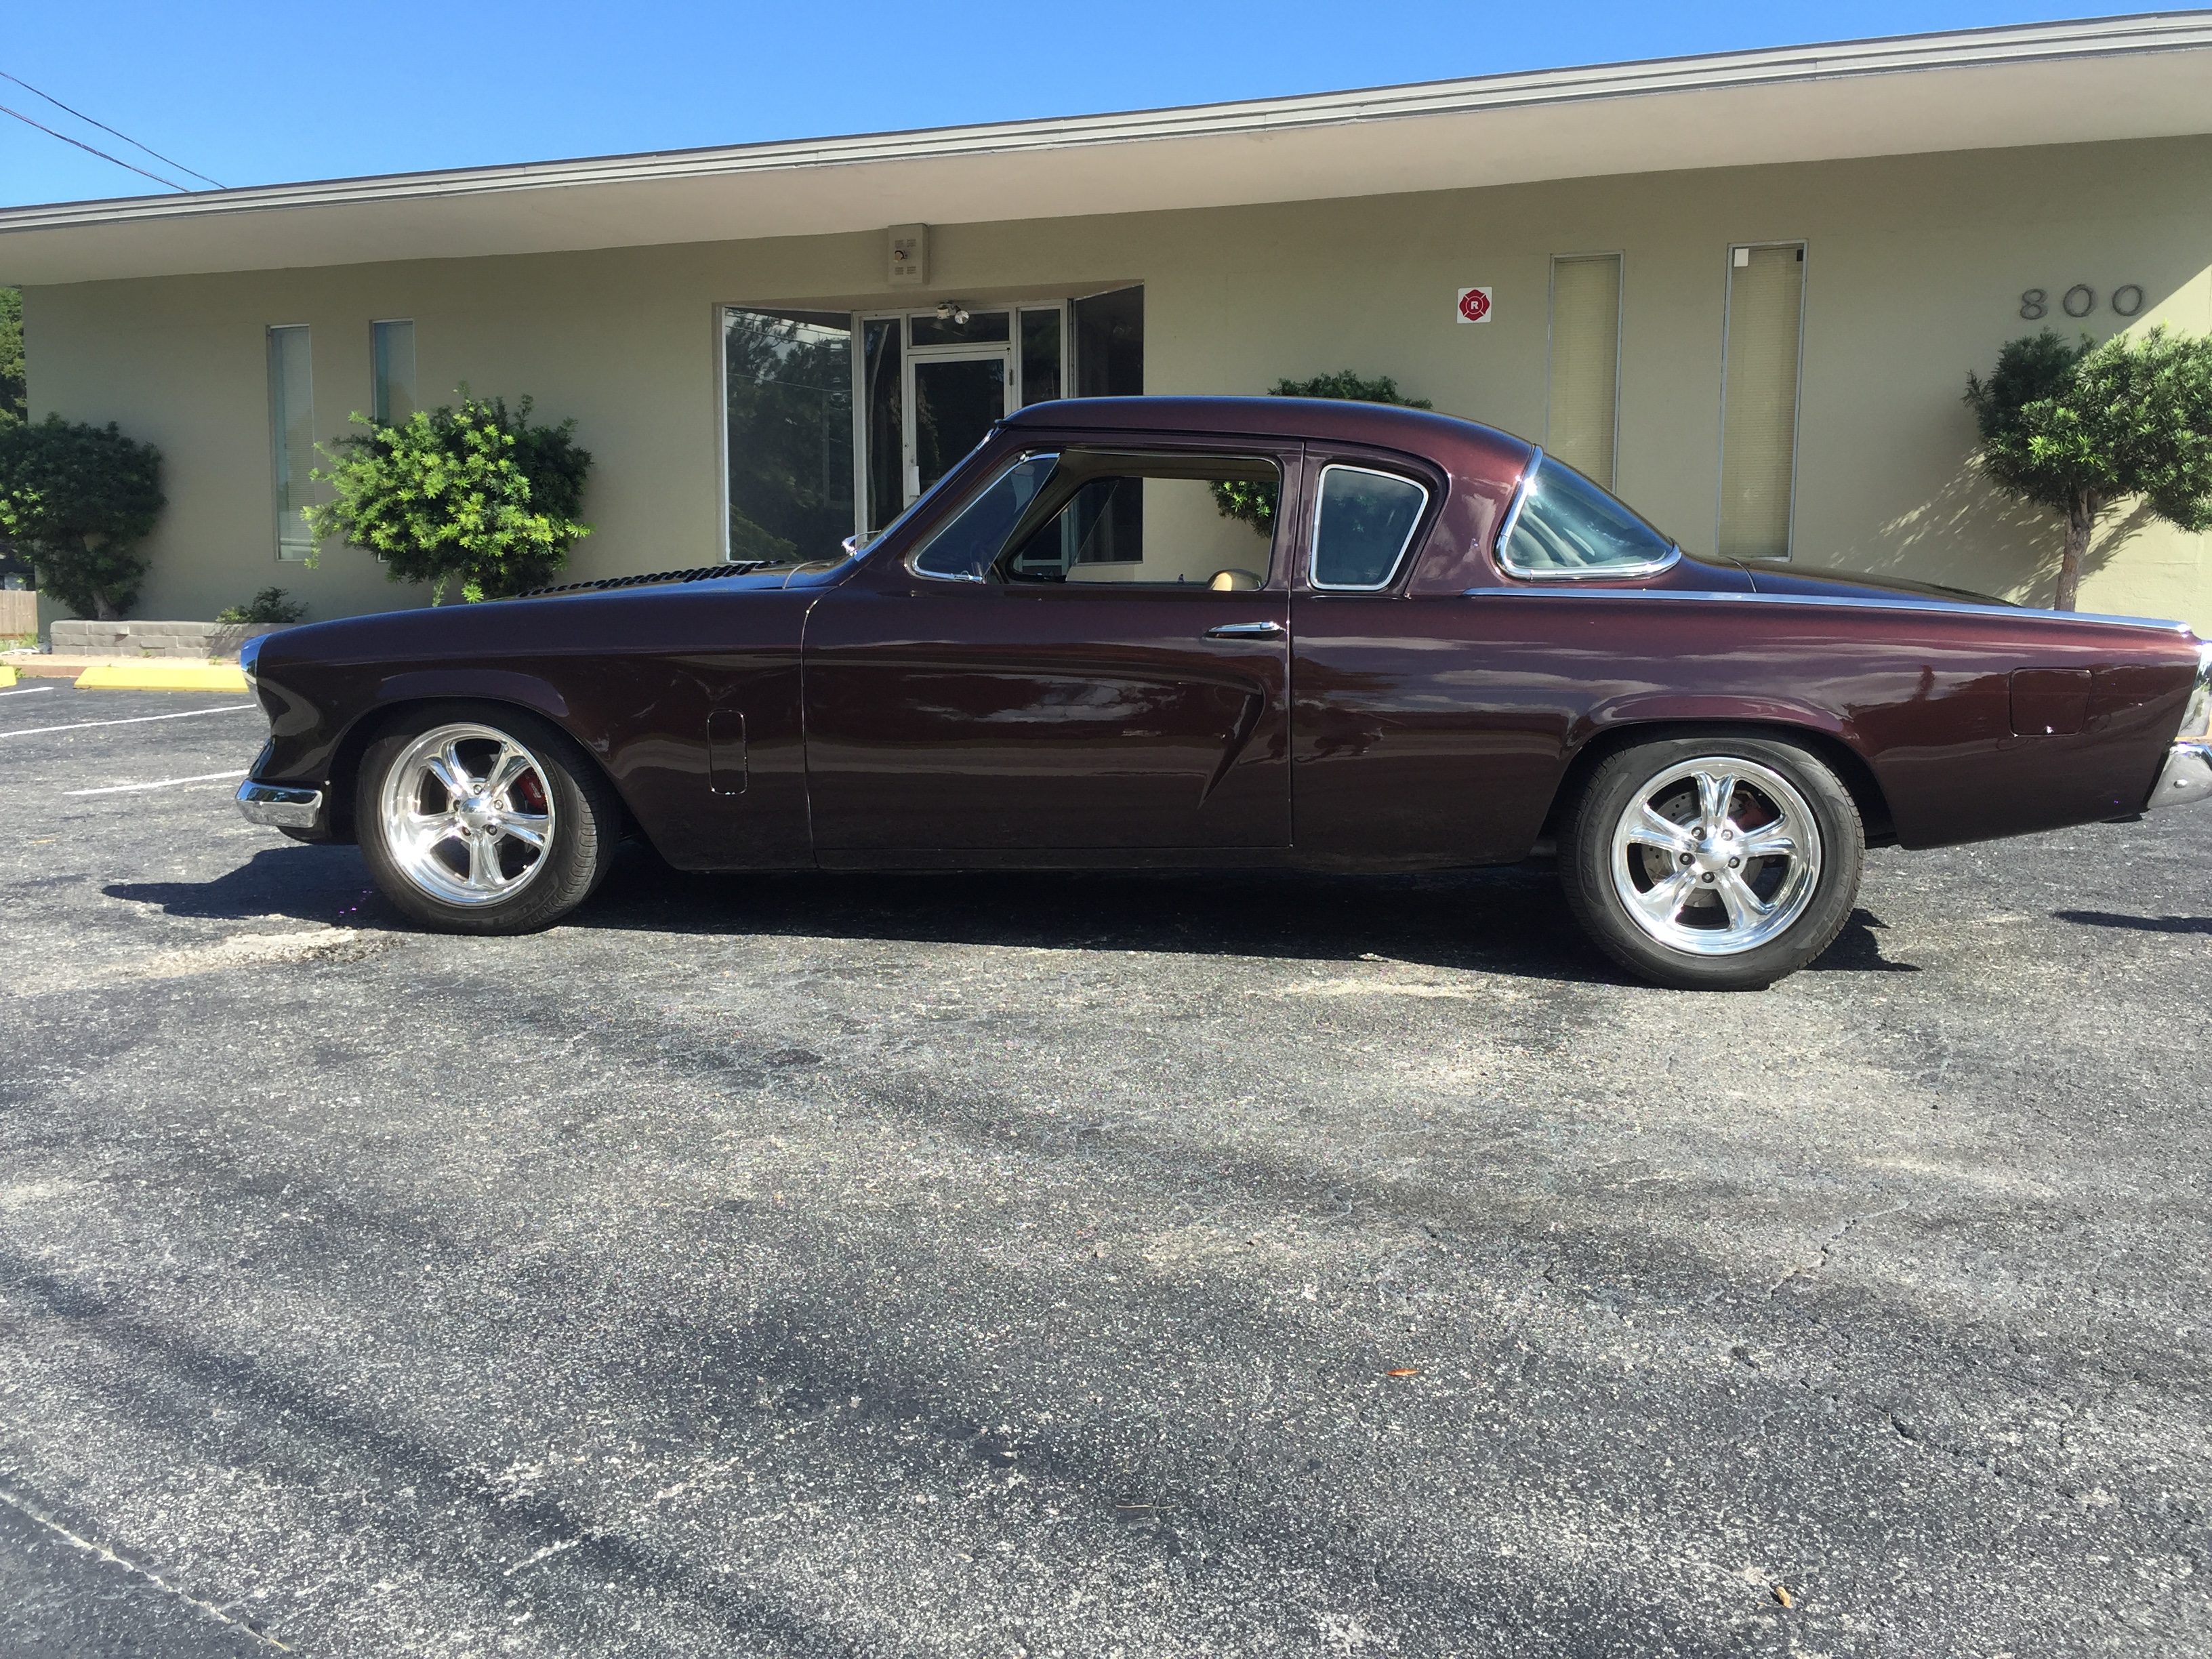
(392, 350)
(882, 394)
(1040, 357)
(788, 392)
(1759, 399)
(291, 437)
(1585, 376)
(1109, 344)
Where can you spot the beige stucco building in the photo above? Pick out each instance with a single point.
(1745, 291)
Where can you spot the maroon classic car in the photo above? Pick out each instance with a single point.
(1163, 632)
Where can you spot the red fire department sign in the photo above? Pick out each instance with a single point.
(1475, 305)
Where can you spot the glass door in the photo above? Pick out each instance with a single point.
(960, 380)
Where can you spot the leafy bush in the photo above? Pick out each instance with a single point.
(1255, 503)
(269, 606)
(78, 499)
(476, 494)
(2074, 428)
(13, 409)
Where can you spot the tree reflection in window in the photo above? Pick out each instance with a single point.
(788, 376)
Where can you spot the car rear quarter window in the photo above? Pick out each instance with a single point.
(1364, 525)
(1563, 524)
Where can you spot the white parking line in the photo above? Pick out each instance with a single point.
(158, 783)
(25, 690)
(136, 720)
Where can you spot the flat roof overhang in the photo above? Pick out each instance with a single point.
(2142, 77)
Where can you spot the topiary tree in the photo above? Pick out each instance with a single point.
(475, 493)
(1255, 503)
(2074, 428)
(78, 499)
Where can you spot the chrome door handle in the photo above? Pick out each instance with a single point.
(1261, 630)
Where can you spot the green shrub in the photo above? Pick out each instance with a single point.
(1255, 503)
(2074, 428)
(475, 493)
(78, 499)
(269, 606)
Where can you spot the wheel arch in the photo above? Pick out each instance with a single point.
(1849, 766)
(373, 722)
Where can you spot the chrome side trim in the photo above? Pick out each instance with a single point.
(280, 807)
(1870, 602)
(2186, 777)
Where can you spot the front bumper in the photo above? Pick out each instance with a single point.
(281, 806)
(2187, 777)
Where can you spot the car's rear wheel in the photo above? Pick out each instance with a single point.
(1717, 863)
(484, 820)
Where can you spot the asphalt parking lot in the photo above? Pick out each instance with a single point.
(1216, 1265)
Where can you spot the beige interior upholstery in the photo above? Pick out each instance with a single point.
(1233, 581)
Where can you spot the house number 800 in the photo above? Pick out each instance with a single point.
(2080, 300)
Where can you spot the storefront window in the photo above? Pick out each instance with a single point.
(787, 382)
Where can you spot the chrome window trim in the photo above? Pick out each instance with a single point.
(1870, 602)
(1607, 573)
(940, 576)
(1398, 564)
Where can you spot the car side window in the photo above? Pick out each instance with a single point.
(1184, 520)
(1563, 524)
(1364, 525)
(965, 548)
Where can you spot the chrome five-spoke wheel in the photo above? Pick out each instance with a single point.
(1717, 862)
(1716, 855)
(467, 813)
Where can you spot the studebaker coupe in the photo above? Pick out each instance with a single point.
(1163, 632)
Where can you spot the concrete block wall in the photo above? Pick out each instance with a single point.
(196, 641)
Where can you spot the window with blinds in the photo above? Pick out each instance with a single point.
(291, 437)
(1584, 383)
(1759, 399)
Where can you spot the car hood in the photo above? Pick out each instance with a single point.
(1844, 585)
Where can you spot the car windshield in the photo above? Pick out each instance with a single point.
(964, 550)
(1566, 526)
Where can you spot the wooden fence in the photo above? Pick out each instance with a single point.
(19, 613)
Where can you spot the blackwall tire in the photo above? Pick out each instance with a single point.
(1713, 863)
(475, 819)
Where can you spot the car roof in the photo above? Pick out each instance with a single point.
(1443, 437)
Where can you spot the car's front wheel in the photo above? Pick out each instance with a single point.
(1718, 863)
(480, 820)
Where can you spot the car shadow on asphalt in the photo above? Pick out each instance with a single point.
(1511, 920)
(2136, 924)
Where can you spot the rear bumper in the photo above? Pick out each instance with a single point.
(2187, 777)
(281, 806)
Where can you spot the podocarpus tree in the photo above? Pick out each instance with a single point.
(475, 493)
(1255, 503)
(2077, 429)
(78, 499)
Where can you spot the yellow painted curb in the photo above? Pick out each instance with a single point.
(155, 676)
(7, 673)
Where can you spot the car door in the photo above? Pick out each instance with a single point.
(1090, 661)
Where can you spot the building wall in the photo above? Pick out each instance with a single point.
(1915, 270)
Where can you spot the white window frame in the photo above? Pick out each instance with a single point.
(1620, 334)
(1804, 246)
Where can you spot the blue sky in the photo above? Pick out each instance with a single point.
(252, 93)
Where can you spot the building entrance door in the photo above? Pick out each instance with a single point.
(954, 396)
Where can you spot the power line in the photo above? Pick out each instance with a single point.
(104, 127)
(81, 145)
